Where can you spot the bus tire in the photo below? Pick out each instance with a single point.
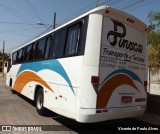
(39, 102)
(13, 91)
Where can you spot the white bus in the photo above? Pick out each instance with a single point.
(92, 68)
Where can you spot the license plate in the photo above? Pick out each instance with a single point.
(126, 99)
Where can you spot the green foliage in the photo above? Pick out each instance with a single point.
(154, 39)
(153, 56)
(6, 56)
(154, 20)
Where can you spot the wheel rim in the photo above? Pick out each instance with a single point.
(39, 101)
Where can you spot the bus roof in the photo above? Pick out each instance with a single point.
(106, 10)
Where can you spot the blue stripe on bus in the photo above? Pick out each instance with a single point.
(125, 71)
(53, 65)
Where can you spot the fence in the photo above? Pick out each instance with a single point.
(154, 81)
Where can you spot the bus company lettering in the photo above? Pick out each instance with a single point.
(106, 51)
(122, 55)
(122, 43)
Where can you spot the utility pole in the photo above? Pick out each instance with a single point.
(54, 21)
(97, 3)
(3, 59)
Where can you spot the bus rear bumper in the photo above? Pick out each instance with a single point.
(91, 115)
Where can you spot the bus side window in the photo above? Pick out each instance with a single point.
(40, 49)
(23, 54)
(58, 44)
(19, 58)
(48, 42)
(9, 65)
(28, 53)
(34, 50)
(14, 57)
(72, 40)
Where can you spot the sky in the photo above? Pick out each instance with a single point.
(19, 19)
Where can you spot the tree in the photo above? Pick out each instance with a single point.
(154, 20)
(153, 57)
(6, 57)
(154, 39)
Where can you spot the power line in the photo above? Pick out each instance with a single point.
(32, 38)
(18, 23)
(106, 1)
(11, 6)
(115, 2)
(21, 6)
(20, 34)
(122, 5)
(91, 5)
(10, 40)
(88, 7)
(29, 4)
(97, 3)
(132, 4)
(151, 2)
(77, 12)
(13, 12)
(17, 30)
(33, 10)
(4, 22)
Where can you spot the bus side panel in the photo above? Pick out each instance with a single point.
(64, 81)
(60, 80)
(91, 61)
(69, 93)
(12, 74)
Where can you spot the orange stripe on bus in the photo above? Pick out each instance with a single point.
(26, 77)
(107, 89)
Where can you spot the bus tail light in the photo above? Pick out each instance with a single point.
(101, 111)
(95, 82)
(104, 110)
(145, 83)
(94, 79)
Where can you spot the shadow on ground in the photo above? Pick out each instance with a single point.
(153, 104)
(101, 127)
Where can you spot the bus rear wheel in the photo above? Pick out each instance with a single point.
(13, 91)
(39, 102)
